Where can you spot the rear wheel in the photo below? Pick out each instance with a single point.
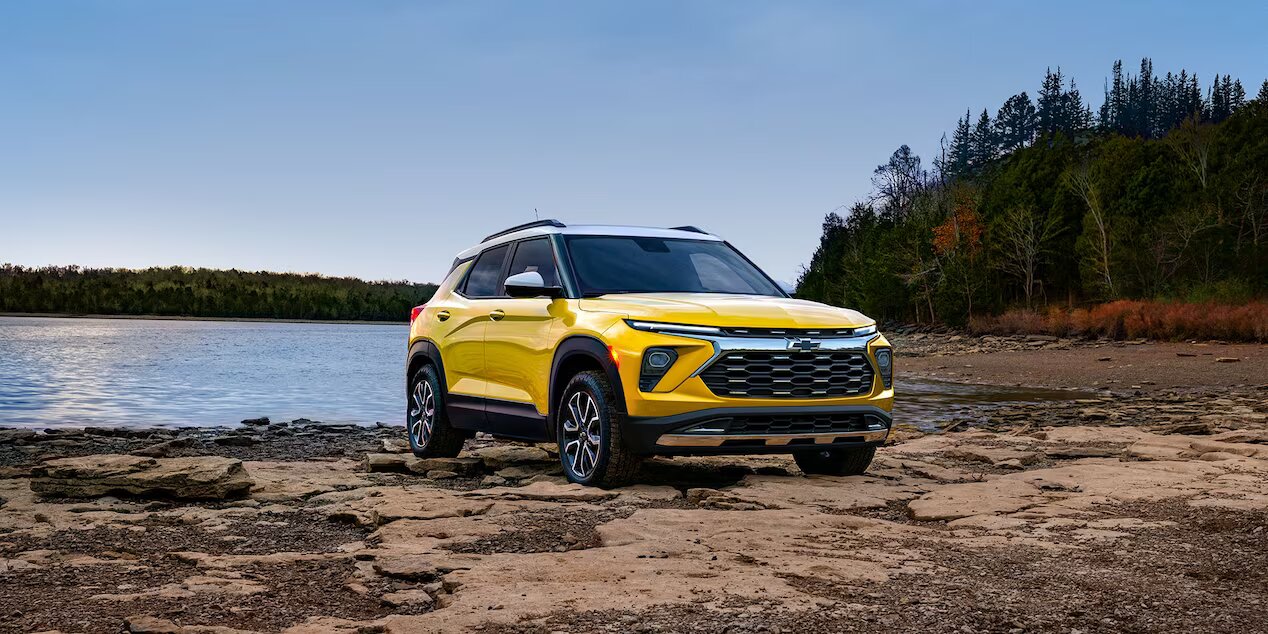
(589, 433)
(838, 462)
(430, 435)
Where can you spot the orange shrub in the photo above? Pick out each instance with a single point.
(1133, 319)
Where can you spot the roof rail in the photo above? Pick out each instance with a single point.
(691, 228)
(528, 225)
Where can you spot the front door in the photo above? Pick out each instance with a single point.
(465, 315)
(519, 347)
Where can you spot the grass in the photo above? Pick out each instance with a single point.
(1134, 319)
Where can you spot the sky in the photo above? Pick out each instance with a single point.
(379, 138)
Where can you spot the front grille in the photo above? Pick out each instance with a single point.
(820, 333)
(789, 374)
(767, 424)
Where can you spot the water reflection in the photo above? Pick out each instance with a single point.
(928, 403)
(67, 372)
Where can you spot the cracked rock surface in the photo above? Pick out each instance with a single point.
(1123, 522)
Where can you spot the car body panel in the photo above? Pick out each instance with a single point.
(508, 362)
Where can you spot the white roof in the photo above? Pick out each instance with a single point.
(589, 230)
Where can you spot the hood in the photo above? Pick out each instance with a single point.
(715, 309)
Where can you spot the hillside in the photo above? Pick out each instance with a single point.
(1163, 195)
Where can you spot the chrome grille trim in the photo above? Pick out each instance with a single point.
(789, 374)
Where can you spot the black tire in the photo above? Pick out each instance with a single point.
(611, 464)
(444, 441)
(837, 462)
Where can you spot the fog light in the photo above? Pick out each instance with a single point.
(656, 362)
(659, 360)
(885, 364)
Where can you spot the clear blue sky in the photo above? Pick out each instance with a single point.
(378, 138)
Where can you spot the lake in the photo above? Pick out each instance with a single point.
(149, 372)
(58, 372)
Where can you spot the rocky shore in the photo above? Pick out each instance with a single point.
(1132, 507)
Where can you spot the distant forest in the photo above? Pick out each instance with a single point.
(1161, 193)
(181, 291)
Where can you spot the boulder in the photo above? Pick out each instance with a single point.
(395, 445)
(408, 567)
(201, 477)
(460, 466)
(14, 435)
(502, 456)
(162, 449)
(386, 462)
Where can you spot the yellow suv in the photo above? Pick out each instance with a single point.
(624, 342)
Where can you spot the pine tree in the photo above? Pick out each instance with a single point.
(1015, 123)
(961, 148)
(1263, 92)
(984, 146)
(1077, 116)
(1237, 96)
(1115, 101)
(1048, 113)
(1146, 108)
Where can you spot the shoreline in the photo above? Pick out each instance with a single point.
(363, 322)
(302, 527)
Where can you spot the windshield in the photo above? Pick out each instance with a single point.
(627, 264)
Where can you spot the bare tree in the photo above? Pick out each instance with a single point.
(1024, 237)
(898, 181)
(1084, 185)
(1192, 141)
(1252, 197)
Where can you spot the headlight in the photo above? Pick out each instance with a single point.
(656, 362)
(656, 326)
(865, 330)
(885, 364)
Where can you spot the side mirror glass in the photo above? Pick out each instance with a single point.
(530, 284)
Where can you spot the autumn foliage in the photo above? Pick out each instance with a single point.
(1127, 319)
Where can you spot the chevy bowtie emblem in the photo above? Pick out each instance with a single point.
(797, 343)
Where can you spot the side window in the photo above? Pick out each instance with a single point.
(535, 255)
(486, 274)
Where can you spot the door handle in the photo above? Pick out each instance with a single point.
(442, 315)
(497, 315)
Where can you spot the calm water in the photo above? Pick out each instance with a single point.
(75, 372)
(72, 372)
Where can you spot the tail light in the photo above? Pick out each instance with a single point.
(415, 312)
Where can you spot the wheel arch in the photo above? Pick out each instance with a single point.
(579, 353)
(424, 352)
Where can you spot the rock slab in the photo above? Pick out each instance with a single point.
(201, 477)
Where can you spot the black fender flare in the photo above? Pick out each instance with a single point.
(570, 348)
(420, 350)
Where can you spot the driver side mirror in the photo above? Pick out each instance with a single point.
(530, 284)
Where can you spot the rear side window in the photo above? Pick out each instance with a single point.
(486, 274)
(535, 255)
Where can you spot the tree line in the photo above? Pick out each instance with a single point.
(198, 292)
(1160, 193)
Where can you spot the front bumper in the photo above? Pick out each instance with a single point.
(706, 431)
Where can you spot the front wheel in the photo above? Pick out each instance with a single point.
(838, 462)
(430, 435)
(589, 433)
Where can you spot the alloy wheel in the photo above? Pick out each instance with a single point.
(422, 414)
(583, 435)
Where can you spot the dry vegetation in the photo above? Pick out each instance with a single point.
(1129, 319)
